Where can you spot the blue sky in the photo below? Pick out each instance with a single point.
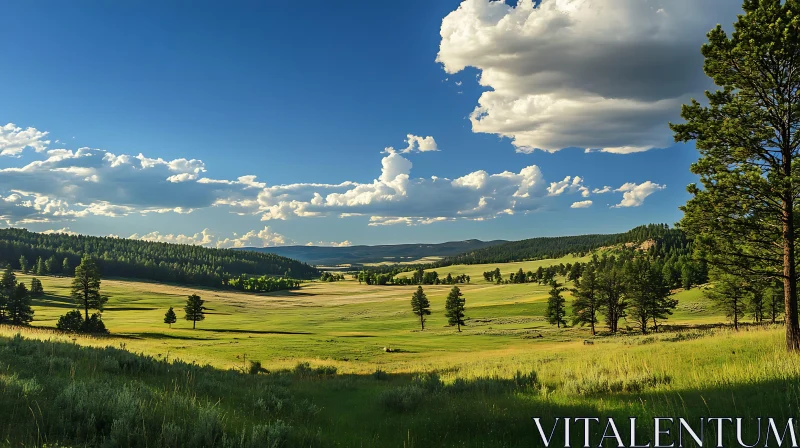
(306, 96)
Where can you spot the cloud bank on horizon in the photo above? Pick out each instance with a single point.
(66, 185)
(593, 74)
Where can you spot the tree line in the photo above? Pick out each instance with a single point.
(418, 277)
(55, 254)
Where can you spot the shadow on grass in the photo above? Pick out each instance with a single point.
(153, 335)
(65, 384)
(53, 301)
(230, 330)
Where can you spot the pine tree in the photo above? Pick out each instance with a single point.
(85, 289)
(612, 296)
(556, 305)
(745, 215)
(420, 305)
(41, 267)
(19, 306)
(65, 267)
(728, 294)
(170, 317)
(36, 287)
(23, 264)
(455, 307)
(194, 309)
(8, 283)
(587, 298)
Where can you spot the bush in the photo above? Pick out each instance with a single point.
(71, 322)
(380, 375)
(428, 381)
(94, 325)
(402, 399)
(256, 368)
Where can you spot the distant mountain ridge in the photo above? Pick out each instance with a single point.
(331, 256)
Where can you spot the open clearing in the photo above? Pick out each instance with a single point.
(694, 368)
(344, 323)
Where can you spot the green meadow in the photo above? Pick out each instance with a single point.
(347, 365)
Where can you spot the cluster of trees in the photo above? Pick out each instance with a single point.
(119, 257)
(331, 277)
(85, 292)
(738, 297)
(542, 276)
(628, 286)
(418, 277)
(455, 307)
(263, 284)
(15, 299)
(50, 266)
(194, 312)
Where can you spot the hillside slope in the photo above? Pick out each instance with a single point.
(119, 257)
(331, 256)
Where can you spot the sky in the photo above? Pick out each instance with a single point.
(344, 123)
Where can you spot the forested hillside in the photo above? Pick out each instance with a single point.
(533, 248)
(556, 247)
(393, 253)
(118, 257)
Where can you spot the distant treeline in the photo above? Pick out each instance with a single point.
(669, 243)
(163, 262)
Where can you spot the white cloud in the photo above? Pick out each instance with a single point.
(581, 204)
(254, 238)
(605, 189)
(569, 184)
(65, 185)
(415, 144)
(344, 243)
(582, 73)
(13, 140)
(64, 231)
(634, 195)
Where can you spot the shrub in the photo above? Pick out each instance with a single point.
(380, 375)
(94, 325)
(255, 368)
(402, 399)
(428, 381)
(71, 322)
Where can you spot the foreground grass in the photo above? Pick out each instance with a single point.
(65, 393)
(144, 384)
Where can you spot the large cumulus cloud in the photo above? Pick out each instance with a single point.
(594, 74)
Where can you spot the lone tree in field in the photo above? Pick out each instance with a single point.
(420, 305)
(86, 287)
(587, 298)
(23, 264)
(194, 309)
(19, 306)
(170, 317)
(556, 305)
(455, 307)
(744, 217)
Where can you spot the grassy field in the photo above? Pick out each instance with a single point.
(488, 381)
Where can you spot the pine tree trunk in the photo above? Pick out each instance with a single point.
(194, 324)
(789, 275)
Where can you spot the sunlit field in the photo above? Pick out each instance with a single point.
(373, 378)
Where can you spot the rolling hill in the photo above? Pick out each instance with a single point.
(331, 256)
